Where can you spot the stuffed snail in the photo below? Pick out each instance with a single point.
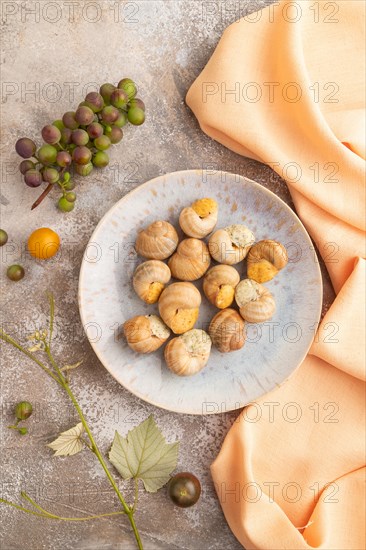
(157, 241)
(179, 306)
(230, 245)
(219, 285)
(188, 354)
(265, 260)
(199, 219)
(256, 303)
(145, 333)
(190, 261)
(227, 330)
(150, 279)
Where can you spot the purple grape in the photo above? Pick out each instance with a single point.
(95, 130)
(81, 155)
(114, 133)
(94, 101)
(106, 91)
(119, 98)
(110, 114)
(80, 137)
(26, 165)
(51, 134)
(121, 120)
(66, 134)
(63, 159)
(25, 148)
(137, 102)
(50, 175)
(84, 115)
(33, 178)
(84, 170)
(69, 120)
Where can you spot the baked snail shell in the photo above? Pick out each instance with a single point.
(199, 219)
(157, 241)
(179, 306)
(190, 261)
(265, 260)
(256, 303)
(150, 279)
(231, 244)
(188, 354)
(145, 333)
(227, 330)
(219, 285)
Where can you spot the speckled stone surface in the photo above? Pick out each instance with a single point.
(48, 56)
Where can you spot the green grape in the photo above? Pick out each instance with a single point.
(71, 197)
(100, 159)
(69, 185)
(94, 101)
(95, 130)
(84, 115)
(50, 175)
(114, 133)
(110, 114)
(137, 102)
(121, 120)
(64, 205)
(102, 143)
(33, 178)
(63, 159)
(59, 124)
(3, 237)
(66, 134)
(82, 170)
(106, 91)
(81, 155)
(26, 165)
(136, 116)
(25, 148)
(119, 98)
(69, 120)
(80, 137)
(128, 86)
(15, 272)
(51, 134)
(47, 154)
(23, 410)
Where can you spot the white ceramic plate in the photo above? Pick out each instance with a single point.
(273, 350)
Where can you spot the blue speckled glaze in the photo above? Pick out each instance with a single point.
(273, 350)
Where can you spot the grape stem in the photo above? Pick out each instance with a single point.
(55, 372)
(42, 196)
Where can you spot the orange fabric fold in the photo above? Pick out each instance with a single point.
(289, 90)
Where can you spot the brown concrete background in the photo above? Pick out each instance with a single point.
(57, 49)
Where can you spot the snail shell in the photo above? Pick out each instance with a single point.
(227, 331)
(190, 261)
(265, 259)
(179, 306)
(219, 285)
(145, 333)
(199, 219)
(149, 280)
(230, 245)
(189, 353)
(256, 303)
(157, 241)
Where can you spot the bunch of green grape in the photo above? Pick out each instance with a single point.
(80, 139)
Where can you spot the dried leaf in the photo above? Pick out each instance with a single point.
(144, 454)
(72, 367)
(68, 443)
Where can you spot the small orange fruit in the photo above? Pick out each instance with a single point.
(43, 243)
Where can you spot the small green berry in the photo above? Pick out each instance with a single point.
(23, 410)
(71, 197)
(3, 237)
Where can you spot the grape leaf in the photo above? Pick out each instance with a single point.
(144, 454)
(68, 443)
